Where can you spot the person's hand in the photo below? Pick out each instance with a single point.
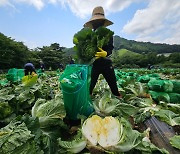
(102, 53)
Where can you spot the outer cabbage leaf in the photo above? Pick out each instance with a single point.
(49, 112)
(45, 140)
(169, 117)
(106, 104)
(13, 136)
(110, 105)
(175, 140)
(147, 147)
(76, 145)
(129, 138)
(5, 110)
(103, 36)
(170, 106)
(85, 44)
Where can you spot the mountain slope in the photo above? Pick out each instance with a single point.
(125, 52)
(143, 47)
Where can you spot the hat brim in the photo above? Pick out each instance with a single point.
(97, 18)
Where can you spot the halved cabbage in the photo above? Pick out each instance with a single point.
(105, 132)
(91, 129)
(110, 130)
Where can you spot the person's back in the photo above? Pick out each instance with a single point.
(29, 68)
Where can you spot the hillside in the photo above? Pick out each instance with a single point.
(125, 52)
(144, 47)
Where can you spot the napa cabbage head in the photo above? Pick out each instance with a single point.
(87, 42)
(104, 132)
(49, 112)
(110, 133)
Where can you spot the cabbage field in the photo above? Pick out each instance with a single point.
(33, 118)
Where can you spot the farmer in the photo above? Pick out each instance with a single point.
(29, 69)
(42, 66)
(71, 60)
(102, 64)
(30, 77)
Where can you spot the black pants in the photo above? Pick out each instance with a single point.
(109, 75)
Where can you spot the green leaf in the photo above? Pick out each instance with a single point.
(76, 145)
(86, 42)
(5, 110)
(13, 136)
(175, 140)
(106, 105)
(148, 148)
(49, 112)
(130, 138)
(169, 117)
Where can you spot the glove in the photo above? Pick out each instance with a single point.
(102, 53)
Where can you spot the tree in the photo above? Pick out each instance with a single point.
(51, 55)
(12, 53)
(175, 57)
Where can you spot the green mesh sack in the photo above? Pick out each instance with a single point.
(130, 73)
(159, 96)
(176, 86)
(20, 74)
(3, 82)
(117, 74)
(135, 75)
(156, 85)
(129, 78)
(154, 75)
(12, 75)
(143, 79)
(168, 86)
(39, 72)
(117, 77)
(74, 83)
(174, 98)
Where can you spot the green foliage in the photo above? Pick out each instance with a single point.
(50, 113)
(175, 140)
(12, 53)
(15, 54)
(169, 117)
(175, 57)
(144, 47)
(51, 55)
(13, 136)
(129, 59)
(87, 42)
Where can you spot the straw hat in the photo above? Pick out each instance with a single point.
(98, 14)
